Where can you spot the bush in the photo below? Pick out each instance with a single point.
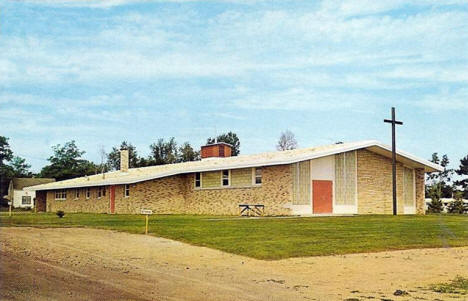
(457, 206)
(60, 213)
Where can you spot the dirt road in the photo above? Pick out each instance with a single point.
(88, 264)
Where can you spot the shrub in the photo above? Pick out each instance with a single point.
(60, 213)
(457, 206)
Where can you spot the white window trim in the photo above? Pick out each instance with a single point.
(61, 192)
(125, 190)
(222, 178)
(26, 197)
(77, 193)
(195, 180)
(254, 182)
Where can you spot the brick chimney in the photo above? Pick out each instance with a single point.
(216, 150)
(124, 160)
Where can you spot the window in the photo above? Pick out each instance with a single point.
(88, 192)
(258, 176)
(197, 179)
(225, 177)
(101, 192)
(61, 194)
(77, 193)
(127, 190)
(26, 200)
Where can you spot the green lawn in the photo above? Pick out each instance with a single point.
(275, 238)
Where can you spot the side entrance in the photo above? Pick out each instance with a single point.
(112, 199)
(41, 201)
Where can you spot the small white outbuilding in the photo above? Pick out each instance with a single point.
(21, 198)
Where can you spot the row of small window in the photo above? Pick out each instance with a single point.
(226, 177)
(61, 194)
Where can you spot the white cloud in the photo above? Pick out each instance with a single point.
(300, 99)
(240, 43)
(446, 101)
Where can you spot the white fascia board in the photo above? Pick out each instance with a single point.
(295, 159)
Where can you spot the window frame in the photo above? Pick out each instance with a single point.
(77, 193)
(228, 178)
(99, 192)
(60, 194)
(126, 190)
(199, 181)
(254, 176)
(23, 197)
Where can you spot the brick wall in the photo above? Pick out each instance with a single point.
(375, 185)
(176, 194)
(420, 178)
(81, 204)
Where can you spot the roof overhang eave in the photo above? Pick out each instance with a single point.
(426, 165)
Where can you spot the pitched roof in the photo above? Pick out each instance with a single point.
(135, 175)
(20, 183)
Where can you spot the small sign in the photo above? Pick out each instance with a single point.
(146, 211)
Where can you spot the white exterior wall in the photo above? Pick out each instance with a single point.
(18, 195)
(323, 169)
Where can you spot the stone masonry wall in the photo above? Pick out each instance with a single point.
(375, 185)
(81, 204)
(274, 193)
(177, 195)
(420, 179)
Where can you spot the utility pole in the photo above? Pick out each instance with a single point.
(394, 122)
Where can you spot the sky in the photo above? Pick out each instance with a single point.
(100, 72)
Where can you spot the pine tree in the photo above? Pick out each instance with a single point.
(435, 192)
(463, 172)
(457, 206)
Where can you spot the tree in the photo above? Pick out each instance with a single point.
(457, 205)
(164, 152)
(463, 172)
(5, 170)
(113, 158)
(435, 193)
(230, 138)
(287, 141)
(187, 153)
(5, 152)
(20, 168)
(66, 163)
(444, 178)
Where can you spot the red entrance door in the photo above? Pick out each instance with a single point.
(112, 199)
(322, 196)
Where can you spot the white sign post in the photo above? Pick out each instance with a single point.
(147, 213)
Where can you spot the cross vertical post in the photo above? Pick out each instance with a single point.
(394, 122)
